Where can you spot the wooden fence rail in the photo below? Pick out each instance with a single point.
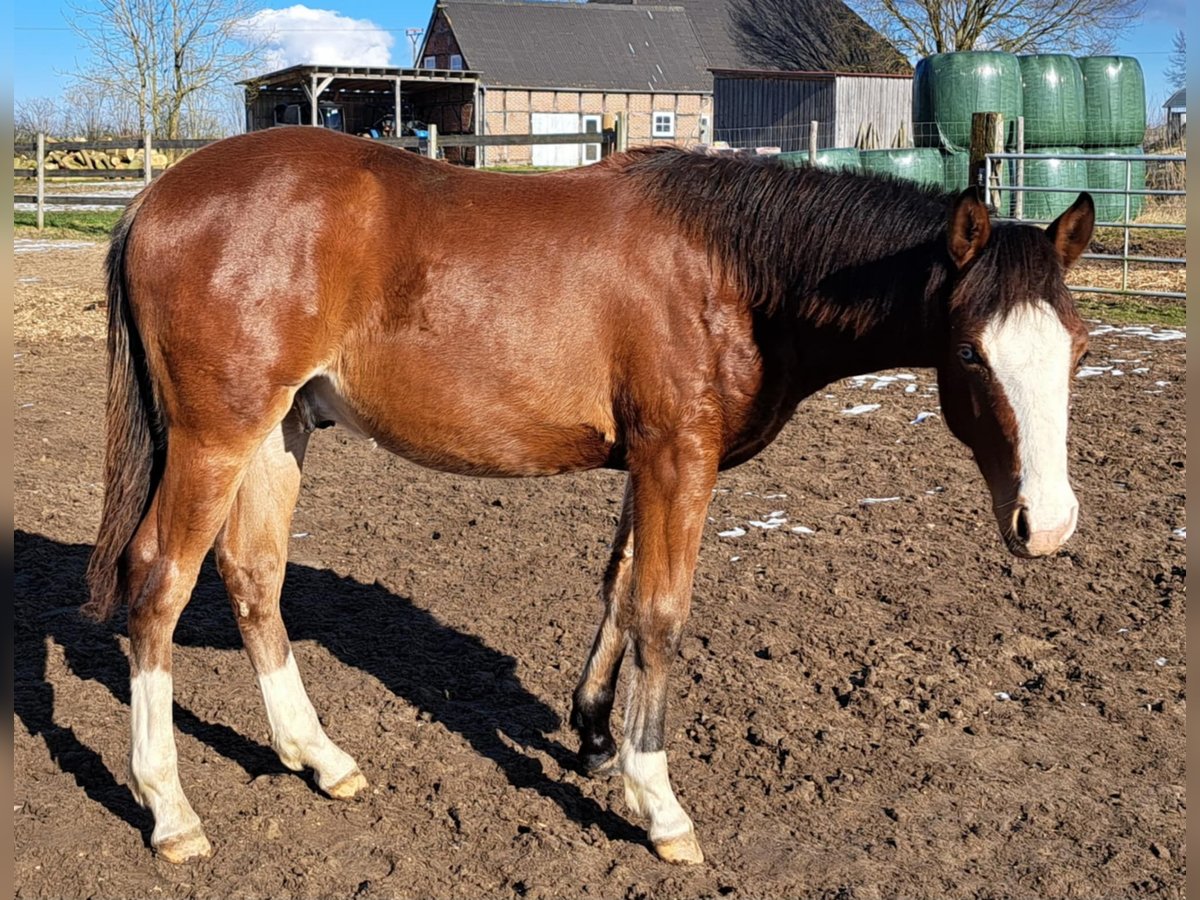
(611, 139)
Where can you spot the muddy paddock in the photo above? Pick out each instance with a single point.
(873, 699)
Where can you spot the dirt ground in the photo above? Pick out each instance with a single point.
(884, 705)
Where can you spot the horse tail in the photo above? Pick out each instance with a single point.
(135, 441)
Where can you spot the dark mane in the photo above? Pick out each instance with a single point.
(837, 248)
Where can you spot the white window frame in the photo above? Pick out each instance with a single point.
(430, 62)
(456, 61)
(590, 124)
(669, 121)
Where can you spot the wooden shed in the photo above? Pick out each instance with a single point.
(755, 108)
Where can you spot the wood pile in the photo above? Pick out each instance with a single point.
(126, 158)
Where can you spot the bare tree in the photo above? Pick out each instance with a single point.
(1177, 63)
(813, 35)
(86, 109)
(924, 27)
(37, 114)
(160, 55)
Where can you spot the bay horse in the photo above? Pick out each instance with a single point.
(661, 312)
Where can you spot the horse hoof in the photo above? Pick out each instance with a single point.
(683, 850)
(348, 787)
(185, 847)
(598, 765)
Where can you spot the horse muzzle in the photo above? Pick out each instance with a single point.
(1031, 532)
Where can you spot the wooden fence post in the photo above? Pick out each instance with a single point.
(431, 143)
(41, 180)
(812, 142)
(987, 136)
(147, 159)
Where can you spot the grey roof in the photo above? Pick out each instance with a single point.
(714, 27)
(579, 45)
(1177, 100)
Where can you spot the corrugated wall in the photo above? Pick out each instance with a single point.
(885, 103)
(757, 111)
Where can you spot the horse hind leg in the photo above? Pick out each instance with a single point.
(252, 556)
(163, 561)
(592, 705)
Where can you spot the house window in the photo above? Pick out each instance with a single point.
(705, 130)
(430, 62)
(664, 125)
(455, 61)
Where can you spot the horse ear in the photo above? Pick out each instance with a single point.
(1072, 231)
(969, 228)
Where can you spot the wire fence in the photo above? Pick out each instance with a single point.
(1141, 214)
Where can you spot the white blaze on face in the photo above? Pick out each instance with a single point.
(1029, 352)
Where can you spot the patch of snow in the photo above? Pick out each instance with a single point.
(29, 245)
(772, 521)
(732, 532)
(1091, 371)
(861, 409)
(922, 416)
(868, 501)
(1002, 695)
(1180, 534)
(801, 529)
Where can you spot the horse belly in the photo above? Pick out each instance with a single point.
(446, 425)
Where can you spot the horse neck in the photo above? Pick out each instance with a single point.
(881, 314)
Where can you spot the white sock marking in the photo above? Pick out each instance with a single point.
(153, 761)
(296, 733)
(648, 793)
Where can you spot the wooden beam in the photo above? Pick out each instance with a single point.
(987, 136)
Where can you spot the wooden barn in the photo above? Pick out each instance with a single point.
(756, 108)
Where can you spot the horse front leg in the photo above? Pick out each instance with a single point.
(672, 487)
(593, 700)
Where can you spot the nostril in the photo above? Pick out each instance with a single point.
(1021, 525)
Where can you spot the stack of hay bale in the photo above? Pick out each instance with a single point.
(948, 89)
(1094, 105)
(1114, 101)
(1071, 107)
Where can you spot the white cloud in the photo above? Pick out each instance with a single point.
(299, 35)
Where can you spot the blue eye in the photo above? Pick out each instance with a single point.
(968, 354)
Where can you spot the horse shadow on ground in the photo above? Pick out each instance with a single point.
(456, 678)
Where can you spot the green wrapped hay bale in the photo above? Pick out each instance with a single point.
(1110, 175)
(919, 164)
(1052, 99)
(1114, 100)
(1068, 175)
(949, 88)
(845, 158)
(956, 169)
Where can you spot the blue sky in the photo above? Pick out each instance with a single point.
(45, 50)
